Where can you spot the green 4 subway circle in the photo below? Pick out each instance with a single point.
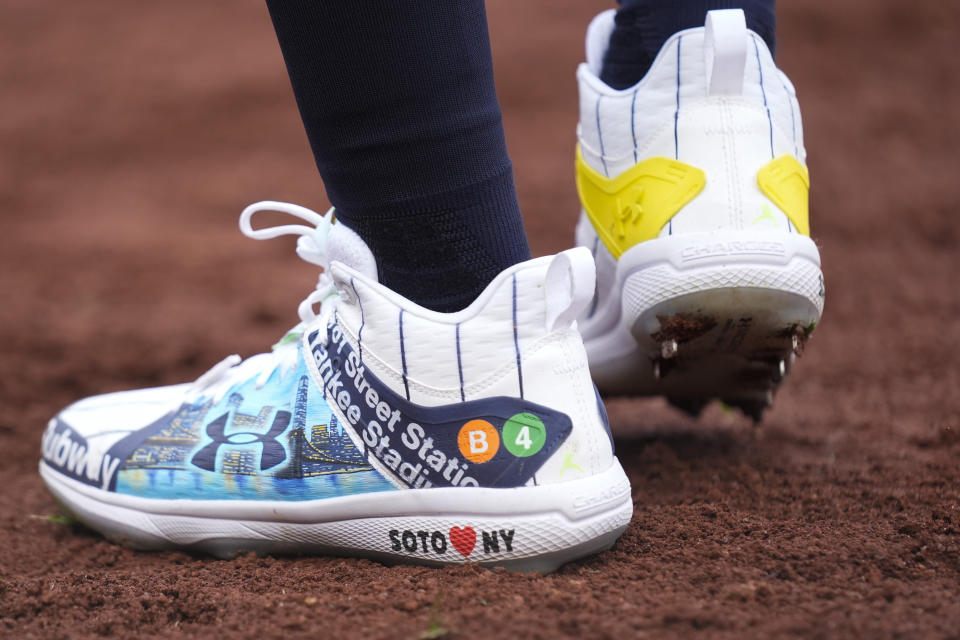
(524, 435)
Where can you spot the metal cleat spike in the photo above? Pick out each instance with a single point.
(799, 341)
(779, 370)
(668, 349)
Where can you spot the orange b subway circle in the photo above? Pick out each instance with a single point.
(478, 441)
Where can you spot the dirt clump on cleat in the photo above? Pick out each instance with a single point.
(682, 327)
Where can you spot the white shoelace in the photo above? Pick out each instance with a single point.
(311, 247)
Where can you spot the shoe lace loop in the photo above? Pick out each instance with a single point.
(311, 245)
(312, 248)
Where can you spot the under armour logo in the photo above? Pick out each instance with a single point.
(271, 454)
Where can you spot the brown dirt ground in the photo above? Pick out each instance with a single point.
(131, 134)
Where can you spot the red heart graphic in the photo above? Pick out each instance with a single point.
(463, 539)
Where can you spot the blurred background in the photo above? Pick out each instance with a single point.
(132, 135)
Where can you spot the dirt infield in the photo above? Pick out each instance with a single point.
(131, 134)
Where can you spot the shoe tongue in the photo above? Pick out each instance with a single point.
(348, 248)
(598, 39)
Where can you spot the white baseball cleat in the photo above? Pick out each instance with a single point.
(695, 206)
(375, 428)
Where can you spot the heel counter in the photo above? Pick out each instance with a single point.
(729, 140)
(565, 384)
(713, 104)
(734, 134)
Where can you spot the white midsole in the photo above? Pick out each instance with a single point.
(576, 499)
(526, 528)
(682, 258)
(694, 250)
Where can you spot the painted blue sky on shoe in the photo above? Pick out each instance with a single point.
(278, 442)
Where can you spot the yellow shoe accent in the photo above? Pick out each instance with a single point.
(787, 183)
(766, 213)
(569, 464)
(634, 206)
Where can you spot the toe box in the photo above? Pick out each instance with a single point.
(78, 441)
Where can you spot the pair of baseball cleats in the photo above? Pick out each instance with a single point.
(381, 429)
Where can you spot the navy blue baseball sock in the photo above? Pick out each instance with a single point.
(642, 26)
(399, 105)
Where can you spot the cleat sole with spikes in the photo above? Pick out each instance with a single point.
(721, 327)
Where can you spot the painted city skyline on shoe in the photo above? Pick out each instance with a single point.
(276, 442)
(372, 418)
